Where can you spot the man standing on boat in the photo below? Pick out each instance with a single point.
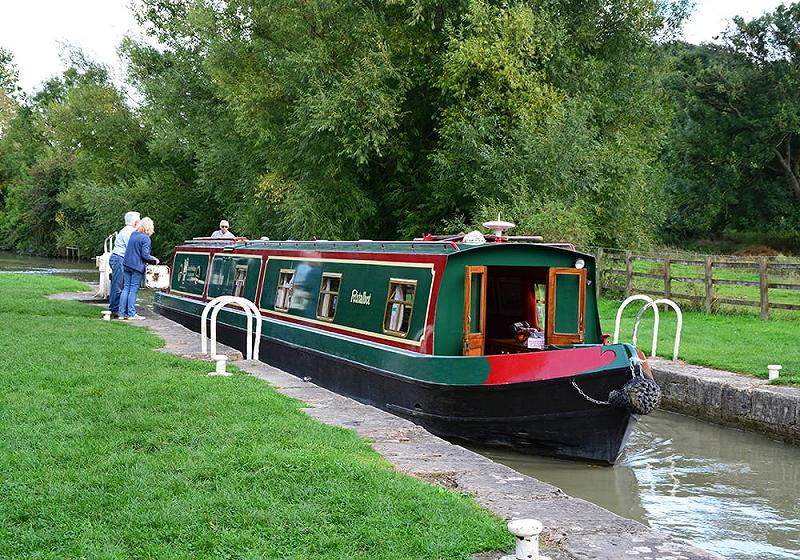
(224, 230)
(117, 257)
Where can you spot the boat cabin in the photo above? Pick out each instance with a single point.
(433, 297)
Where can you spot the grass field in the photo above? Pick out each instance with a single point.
(740, 343)
(112, 450)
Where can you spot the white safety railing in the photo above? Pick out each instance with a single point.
(250, 310)
(622, 306)
(654, 304)
(103, 263)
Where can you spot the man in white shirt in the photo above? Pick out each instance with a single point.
(117, 256)
(224, 230)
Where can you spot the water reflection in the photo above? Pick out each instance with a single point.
(731, 492)
(79, 270)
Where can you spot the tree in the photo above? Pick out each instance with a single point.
(734, 157)
(8, 87)
(390, 118)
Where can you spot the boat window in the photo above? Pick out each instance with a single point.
(283, 296)
(239, 279)
(328, 296)
(399, 305)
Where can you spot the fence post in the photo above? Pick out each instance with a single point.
(709, 283)
(668, 277)
(763, 286)
(598, 271)
(628, 273)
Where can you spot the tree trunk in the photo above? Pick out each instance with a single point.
(790, 162)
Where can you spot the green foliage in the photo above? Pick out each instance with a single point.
(734, 155)
(8, 86)
(356, 119)
(102, 447)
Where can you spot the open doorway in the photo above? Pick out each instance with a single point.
(513, 309)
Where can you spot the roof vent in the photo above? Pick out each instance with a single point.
(498, 226)
(474, 238)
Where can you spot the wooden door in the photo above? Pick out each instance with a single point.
(566, 305)
(474, 310)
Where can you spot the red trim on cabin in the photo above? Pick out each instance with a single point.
(438, 262)
(549, 364)
(353, 255)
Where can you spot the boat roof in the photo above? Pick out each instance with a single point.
(417, 246)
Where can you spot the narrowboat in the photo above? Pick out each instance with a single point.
(488, 340)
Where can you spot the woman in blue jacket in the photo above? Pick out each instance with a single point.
(137, 256)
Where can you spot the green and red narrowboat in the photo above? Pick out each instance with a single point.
(425, 329)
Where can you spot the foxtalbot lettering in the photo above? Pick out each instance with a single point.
(361, 298)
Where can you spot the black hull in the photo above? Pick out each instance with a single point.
(542, 417)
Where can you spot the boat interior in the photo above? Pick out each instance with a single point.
(514, 309)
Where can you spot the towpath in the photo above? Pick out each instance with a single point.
(574, 528)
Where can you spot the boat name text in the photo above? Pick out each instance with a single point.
(361, 298)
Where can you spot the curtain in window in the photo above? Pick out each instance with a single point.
(398, 309)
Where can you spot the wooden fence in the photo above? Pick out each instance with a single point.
(711, 264)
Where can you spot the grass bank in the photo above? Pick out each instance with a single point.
(112, 450)
(741, 343)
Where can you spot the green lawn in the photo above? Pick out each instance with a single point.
(112, 450)
(733, 342)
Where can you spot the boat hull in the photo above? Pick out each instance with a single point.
(548, 417)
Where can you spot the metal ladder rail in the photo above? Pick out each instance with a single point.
(654, 304)
(622, 306)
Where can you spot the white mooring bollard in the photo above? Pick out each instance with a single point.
(106, 315)
(221, 359)
(774, 371)
(527, 533)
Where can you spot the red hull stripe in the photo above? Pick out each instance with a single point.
(552, 364)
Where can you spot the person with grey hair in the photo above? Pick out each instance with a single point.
(116, 259)
(224, 230)
(137, 257)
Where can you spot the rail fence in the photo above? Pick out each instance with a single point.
(707, 281)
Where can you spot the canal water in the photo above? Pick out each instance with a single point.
(731, 492)
(79, 270)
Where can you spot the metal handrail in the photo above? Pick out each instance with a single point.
(622, 306)
(250, 310)
(654, 304)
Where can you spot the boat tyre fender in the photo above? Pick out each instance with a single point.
(639, 395)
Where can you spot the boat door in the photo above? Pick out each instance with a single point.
(566, 305)
(474, 310)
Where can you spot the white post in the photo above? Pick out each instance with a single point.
(774, 371)
(527, 533)
(220, 369)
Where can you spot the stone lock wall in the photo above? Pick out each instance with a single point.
(728, 398)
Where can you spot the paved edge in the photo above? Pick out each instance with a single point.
(728, 398)
(574, 529)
